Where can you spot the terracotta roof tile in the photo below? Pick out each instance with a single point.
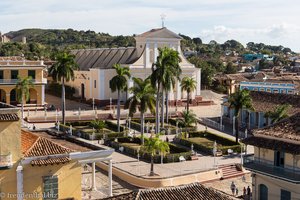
(194, 191)
(265, 101)
(27, 140)
(126, 196)
(288, 128)
(33, 145)
(278, 135)
(9, 117)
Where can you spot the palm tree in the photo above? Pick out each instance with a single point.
(119, 83)
(172, 74)
(98, 125)
(23, 91)
(154, 145)
(63, 70)
(279, 113)
(143, 99)
(239, 100)
(188, 119)
(164, 73)
(189, 85)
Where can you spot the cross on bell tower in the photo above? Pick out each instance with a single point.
(163, 17)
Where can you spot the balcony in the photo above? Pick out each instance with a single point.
(14, 81)
(267, 168)
(6, 161)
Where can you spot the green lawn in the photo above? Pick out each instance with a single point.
(131, 145)
(203, 141)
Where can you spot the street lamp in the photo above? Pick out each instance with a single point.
(71, 130)
(129, 119)
(110, 103)
(215, 152)
(233, 126)
(79, 112)
(56, 115)
(58, 126)
(93, 103)
(221, 118)
(93, 135)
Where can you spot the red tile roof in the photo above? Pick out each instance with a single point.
(283, 135)
(288, 129)
(27, 140)
(265, 101)
(34, 146)
(9, 117)
(194, 191)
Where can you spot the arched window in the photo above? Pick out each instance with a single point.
(263, 192)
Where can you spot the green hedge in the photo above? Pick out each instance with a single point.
(176, 151)
(226, 143)
(113, 126)
(87, 135)
(213, 137)
(136, 125)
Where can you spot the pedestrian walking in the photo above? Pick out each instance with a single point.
(244, 191)
(232, 187)
(236, 191)
(248, 191)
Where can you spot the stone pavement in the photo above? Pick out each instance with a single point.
(118, 186)
(240, 182)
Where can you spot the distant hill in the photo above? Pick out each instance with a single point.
(57, 37)
(44, 43)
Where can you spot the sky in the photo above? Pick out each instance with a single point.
(274, 22)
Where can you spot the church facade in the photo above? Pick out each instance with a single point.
(92, 80)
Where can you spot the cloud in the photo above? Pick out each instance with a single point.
(274, 34)
(246, 20)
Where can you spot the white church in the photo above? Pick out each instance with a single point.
(92, 80)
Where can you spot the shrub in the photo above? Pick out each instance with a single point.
(113, 126)
(226, 143)
(97, 124)
(176, 151)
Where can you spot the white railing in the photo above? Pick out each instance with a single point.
(14, 81)
(6, 161)
(212, 123)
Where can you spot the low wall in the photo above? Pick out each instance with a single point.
(150, 182)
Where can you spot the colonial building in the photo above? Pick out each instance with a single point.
(230, 81)
(269, 86)
(92, 81)
(275, 164)
(262, 102)
(13, 67)
(34, 167)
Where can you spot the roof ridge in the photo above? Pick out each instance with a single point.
(30, 148)
(45, 140)
(70, 150)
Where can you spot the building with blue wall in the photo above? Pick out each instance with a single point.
(285, 88)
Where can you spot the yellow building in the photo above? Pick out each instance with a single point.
(96, 66)
(13, 67)
(34, 167)
(275, 164)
